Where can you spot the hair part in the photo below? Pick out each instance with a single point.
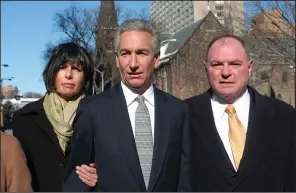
(242, 42)
(73, 54)
(139, 25)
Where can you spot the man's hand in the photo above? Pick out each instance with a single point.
(88, 174)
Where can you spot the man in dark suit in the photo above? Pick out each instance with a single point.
(133, 132)
(242, 140)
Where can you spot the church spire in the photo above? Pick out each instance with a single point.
(105, 61)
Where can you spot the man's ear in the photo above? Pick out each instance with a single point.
(250, 66)
(205, 65)
(156, 60)
(117, 60)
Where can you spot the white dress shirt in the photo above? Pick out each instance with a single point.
(242, 107)
(132, 104)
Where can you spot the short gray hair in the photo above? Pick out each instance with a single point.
(141, 25)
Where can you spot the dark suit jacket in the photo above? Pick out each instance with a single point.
(45, 158)
(269, 158)
(103, 134)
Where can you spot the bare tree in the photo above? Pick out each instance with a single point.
(270, 23)
(268, 28)
(8, 109)
(81, 25)
(78, 25)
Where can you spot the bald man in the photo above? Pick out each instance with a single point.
(242, 140)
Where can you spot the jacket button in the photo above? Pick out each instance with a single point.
(63, 164)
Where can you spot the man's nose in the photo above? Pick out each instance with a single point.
(226, 72)
(134, 65)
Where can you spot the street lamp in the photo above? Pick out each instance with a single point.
(10, 79)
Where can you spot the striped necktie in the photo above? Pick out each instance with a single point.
(143, 138)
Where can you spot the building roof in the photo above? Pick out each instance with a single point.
(181, 36)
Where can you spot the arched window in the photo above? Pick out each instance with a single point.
(279, 96)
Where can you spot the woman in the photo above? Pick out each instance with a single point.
(15, 175)
(44, 127)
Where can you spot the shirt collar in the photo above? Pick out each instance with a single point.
(130, 96)
(221, 105)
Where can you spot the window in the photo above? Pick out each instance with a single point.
(219, 14)
(284, 77)
(264, 75)
(219, 2)
(219, 8)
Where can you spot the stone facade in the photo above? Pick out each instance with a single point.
(277, 80)
(184, 75)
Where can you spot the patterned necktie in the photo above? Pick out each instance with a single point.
(143, 138)
(237, 135)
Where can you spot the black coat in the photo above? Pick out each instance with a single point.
(269, 158)
(103, 133)
(45, 158)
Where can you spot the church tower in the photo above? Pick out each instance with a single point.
(105, 55)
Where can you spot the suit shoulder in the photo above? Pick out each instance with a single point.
(279, 105)
(197, 98)
(174, 100)
(93, 99)
(30, 108)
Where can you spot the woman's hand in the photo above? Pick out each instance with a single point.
(88, 174)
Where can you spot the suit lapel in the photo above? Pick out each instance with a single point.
(120, 121)
(161, 136)
(259, 135)
(204, 124)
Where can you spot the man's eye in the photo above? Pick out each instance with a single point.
(235, 65)
(124, 54)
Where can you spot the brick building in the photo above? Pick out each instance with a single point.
(9, 91)
(270, 23)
